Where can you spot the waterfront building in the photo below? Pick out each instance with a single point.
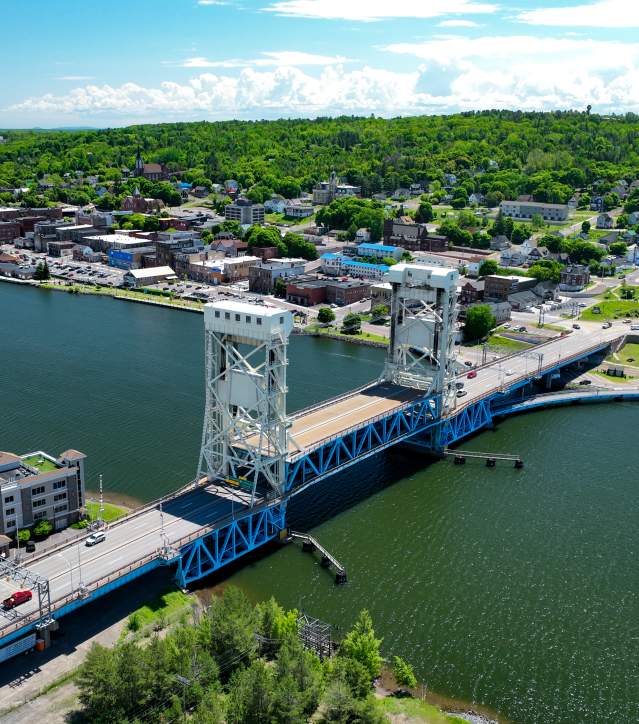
(151, 275)
(38, 486)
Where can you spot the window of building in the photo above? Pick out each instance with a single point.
(8, 499)
(60, 496)
(39, 503)
(238, 317)
(38, 491)
(10, 523)
(59, 484)
(281, 320)
(248, 319)
(227, 315)
(10, 511)
(217, 313)
(259, 321)
(60, 509)
(39, 516)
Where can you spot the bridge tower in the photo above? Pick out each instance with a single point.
(245, 423)
(421, 353)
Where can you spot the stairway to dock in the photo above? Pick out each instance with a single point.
(311, 544)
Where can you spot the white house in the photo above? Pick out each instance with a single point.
(605, 221)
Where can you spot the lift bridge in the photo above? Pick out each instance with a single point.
(255, 455)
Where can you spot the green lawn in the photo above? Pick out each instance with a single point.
(628, 379)
(414, 710)
(496, 340)
(335, 333)
(611, 309)
(164, 606)
(111, 512)
(42, 465)
(628, 355)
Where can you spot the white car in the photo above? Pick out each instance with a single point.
(95, 538)
(509, 373)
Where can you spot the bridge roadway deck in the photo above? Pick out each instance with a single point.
(326, 420)
(126, 543)
(139, 535)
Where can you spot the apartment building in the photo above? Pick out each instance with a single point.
(38, 486)
(528, 209)
(244, 211)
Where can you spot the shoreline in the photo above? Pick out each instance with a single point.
(127, 296)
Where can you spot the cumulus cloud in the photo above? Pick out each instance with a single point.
(457, 24)
(601, 14)
(275, 58)
(448, 73)
(369, 10)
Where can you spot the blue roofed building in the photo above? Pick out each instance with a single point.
(380, 251)
(338, 265)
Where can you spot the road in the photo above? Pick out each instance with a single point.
(126, 542)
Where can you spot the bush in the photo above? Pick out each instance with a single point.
(24, 535)
(43, 529)
(325, 315)
(403, 672)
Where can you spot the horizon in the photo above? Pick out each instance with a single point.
(159, 61)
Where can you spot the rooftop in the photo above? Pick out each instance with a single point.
(151, 272)
(258, 310)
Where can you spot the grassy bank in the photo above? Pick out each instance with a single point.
(111, 512)
(611, 309)
(628, 354)
(513, 345)
(414, 710)
(162, 609)
(335, 333)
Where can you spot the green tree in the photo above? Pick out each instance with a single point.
(403, 673)
(479, 321)
(379, 311)
(352, 323)
(279, 288)
(537, 221)
(424, 213)
(618, 248)
(251, 695)
(24, 535)
(585, 227)
(42, 272)
(325, 315)
(519, 234)
(488, 266)
(298, 247)
(360, 644)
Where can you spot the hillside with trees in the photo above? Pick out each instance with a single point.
(500, 154)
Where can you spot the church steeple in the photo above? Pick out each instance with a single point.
(139, 163)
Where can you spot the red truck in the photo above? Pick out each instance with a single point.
(16, 599)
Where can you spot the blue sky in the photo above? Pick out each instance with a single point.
(73, 62)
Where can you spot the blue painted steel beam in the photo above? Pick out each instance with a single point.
(225, 545)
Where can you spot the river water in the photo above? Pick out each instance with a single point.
(514, 589)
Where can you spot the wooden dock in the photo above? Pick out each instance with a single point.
(459, 458)
(311, 544)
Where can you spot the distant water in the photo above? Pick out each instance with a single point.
(516, 589)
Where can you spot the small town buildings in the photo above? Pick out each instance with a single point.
(381, 293)
(132, 258)
(471, 291)
(379, 251)
(150, 171)
(141, 205)
(500, 310)
(275, 205)
(463, 261)
(574, 278)
(151, 275)
(262, 276)
(499, 288)
(244, 211)
(230, 246)
(9, 230)
(338, 265)
(500, 243)
(38, 486)
(325, 191)
(412, 237)
(528, 209)
(605, 221)
(306, 292)
(85, 254)
(60, 248)
(512, 257)
(346, 291)
(298, 210)
(633, 218)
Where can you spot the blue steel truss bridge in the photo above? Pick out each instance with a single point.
(255, 457)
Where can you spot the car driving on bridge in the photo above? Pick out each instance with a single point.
(16, 599)
(95, 538)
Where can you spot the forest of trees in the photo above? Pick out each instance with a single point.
(548, 155)
(239, 664)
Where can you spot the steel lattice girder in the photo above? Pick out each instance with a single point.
(361, 443)
(224, 545)
(470, 419)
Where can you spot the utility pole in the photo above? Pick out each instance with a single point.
(101, 508)
(80, 584)
(542, 315)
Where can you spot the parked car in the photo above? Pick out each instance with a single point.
(472, 374)
(576, 326)
(585, 382)
(16, 599)
(461, 393)
(95, 538)
(30, 547)
(468, 364)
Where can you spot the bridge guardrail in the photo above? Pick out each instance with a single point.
(545, 368)
(331, 400)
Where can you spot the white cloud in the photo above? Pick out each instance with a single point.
(369, 10)
(274, 58)
(458, 24)
(74, 77)
(447, 74)
(601, 14)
